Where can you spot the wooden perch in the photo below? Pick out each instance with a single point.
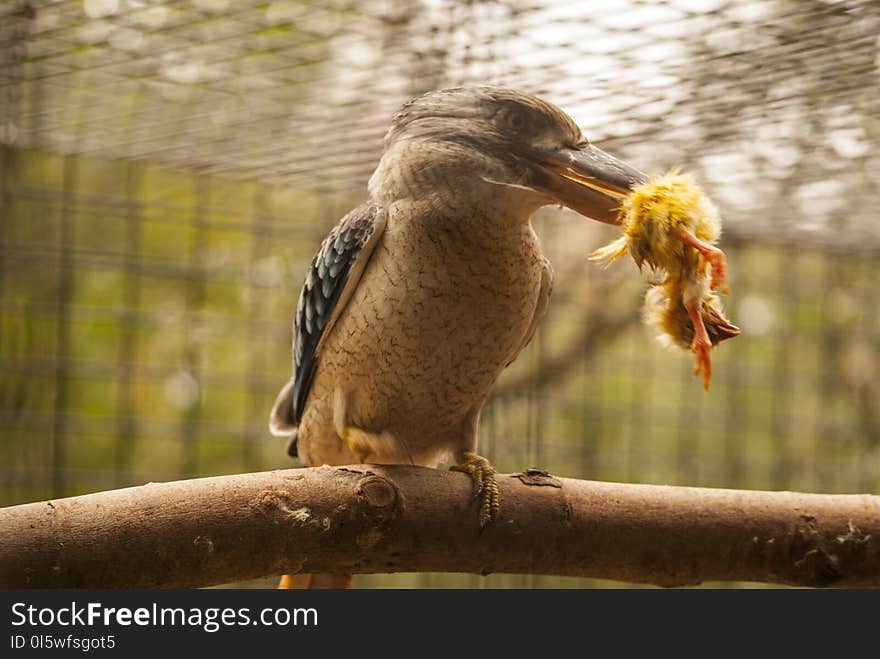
(367, 519)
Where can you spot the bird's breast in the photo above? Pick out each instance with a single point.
(439, 312)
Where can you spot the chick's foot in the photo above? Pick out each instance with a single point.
(701, 346)
(712, 255)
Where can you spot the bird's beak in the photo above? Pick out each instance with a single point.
(586, 179)
(717, 326)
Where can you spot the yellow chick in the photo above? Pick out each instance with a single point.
(671, 226)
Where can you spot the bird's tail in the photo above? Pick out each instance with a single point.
(317, 581)
(281, 420)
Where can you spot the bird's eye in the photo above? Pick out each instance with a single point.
(515, 120)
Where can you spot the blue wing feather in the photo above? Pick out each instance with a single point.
(324, 284)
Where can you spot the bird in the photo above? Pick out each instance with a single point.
(670, 226)
(420, 297)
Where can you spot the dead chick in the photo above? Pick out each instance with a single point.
(670, 226)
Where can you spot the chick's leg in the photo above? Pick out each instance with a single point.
(712, 255)
(482, 475)
(701, 345)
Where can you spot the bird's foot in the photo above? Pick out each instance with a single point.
(701, 346)
(703, 363)
(482, 475)
(716, 258)
(711, 255)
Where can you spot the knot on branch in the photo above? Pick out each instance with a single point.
(374, 503)
(378, 492)
(381, 501)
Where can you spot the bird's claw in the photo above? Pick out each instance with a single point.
(711, 255)
(485, 485)
(703, 361)
(718, 261)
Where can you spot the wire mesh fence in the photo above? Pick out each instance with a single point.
(169, 168)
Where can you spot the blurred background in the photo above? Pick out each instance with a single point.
(168, 169)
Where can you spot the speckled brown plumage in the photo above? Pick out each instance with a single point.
(428, 330)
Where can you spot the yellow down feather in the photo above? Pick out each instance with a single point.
(651, 214)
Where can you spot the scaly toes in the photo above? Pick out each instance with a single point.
(490, 503)
(718, 261)
(476, 476)
(703, 362)
(482, 475)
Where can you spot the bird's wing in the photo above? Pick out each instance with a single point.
(540, 308)
(332, 278)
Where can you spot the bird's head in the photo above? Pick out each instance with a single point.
(499, 145)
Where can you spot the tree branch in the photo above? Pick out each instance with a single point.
(367, 519)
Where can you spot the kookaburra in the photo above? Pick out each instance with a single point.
(418, 299)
